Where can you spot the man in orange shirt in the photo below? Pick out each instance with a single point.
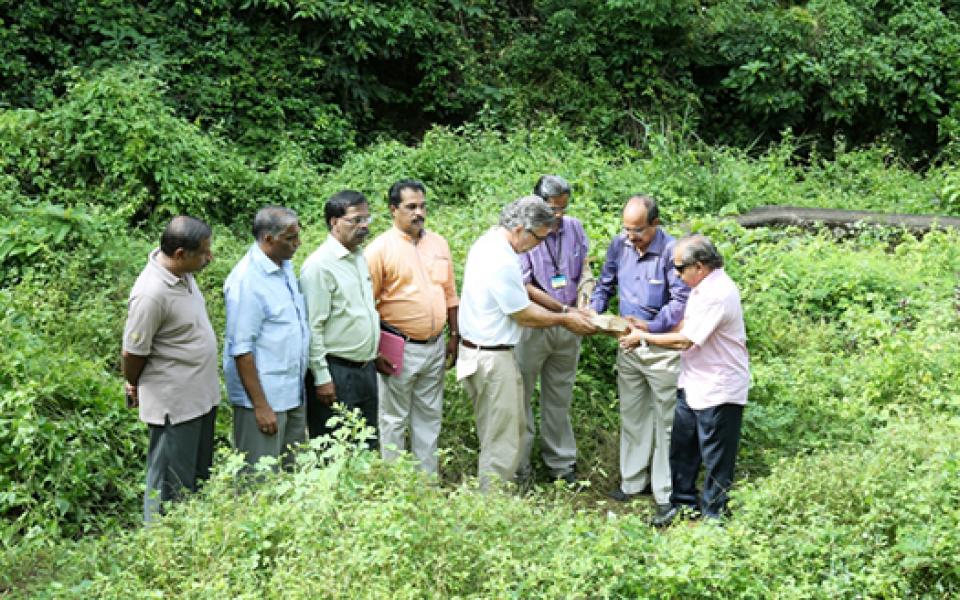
(411, 273)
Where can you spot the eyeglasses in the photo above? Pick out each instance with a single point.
(361, 220)
(558, 210)
(636, 230)
(539, 238)
(680, 268)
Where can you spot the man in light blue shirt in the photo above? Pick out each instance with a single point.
(267, 341)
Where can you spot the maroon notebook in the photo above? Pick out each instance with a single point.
(391, 347)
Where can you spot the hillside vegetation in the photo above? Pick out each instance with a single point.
(115, 116)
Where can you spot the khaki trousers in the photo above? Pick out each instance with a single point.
(413, 397)
(550, 355)
(647, 385)
(496, 388)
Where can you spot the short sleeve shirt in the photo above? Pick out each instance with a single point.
(413, 282)
(716, 369)
(167, 323)
(493, 290)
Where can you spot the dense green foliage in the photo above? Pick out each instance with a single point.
(322, 75)
(116, 115)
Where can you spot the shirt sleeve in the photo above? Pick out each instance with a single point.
(584, 250)
(700, 324)
(607, 284)
(144, 315)
(508, 290)
(317, 295)
(374, 257)
(245, 317)
(450, 287)
(526, 268)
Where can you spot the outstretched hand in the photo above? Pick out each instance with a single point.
(579, 323)
(633, 339)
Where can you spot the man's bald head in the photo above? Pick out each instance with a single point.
(640, 220)
(642, 207)
(183, 232)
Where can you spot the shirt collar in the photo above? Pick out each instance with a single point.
(559, 232)
(406, 237)
(166, 276)
(339, 250)
(656, 244)
(709, 280)
(260, 258)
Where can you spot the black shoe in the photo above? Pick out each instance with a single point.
(619, 495)
(666, 513)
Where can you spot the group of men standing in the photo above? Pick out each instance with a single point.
(293, 347)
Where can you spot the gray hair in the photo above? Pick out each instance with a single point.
(272, 220)
(551, 186)
(699, 249)
(532, 212)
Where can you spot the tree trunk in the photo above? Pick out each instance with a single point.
(767, 216)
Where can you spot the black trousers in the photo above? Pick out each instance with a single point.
(179, 457)
(356, 389)
(709, 437)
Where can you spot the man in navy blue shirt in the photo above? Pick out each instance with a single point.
(639, 267)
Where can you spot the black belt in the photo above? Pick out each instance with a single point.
(343, 362)
(473, 346)
(390, 328)
(429, 340)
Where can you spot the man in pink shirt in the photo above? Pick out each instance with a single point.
(713, 385)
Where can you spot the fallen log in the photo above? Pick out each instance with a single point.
(772, 216)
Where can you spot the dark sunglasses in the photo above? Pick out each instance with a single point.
(680, 268)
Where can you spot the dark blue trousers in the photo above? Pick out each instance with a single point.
(709, 437)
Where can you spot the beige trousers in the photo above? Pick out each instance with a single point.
(647, 385)
(413, 398)
(492, 380)
(550, 355)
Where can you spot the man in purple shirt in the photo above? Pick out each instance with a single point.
(552, 272)
(639, 265)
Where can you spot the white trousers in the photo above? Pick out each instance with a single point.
(647, 385)
(413, 398)
(549, 354)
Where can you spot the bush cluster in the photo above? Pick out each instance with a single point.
(329, 74)
(835, 524)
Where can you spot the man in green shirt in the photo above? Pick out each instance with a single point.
(343, 319)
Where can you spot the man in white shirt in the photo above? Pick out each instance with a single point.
(494, 306)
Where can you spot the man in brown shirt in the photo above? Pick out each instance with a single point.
(170, 363)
